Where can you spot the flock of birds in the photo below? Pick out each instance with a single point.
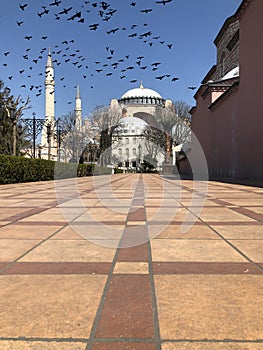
(67, 52)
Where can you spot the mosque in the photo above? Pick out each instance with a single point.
(136, 107)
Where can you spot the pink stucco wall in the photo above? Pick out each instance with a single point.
(231, 133)
(250, 95)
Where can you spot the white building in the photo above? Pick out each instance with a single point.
(130, 148)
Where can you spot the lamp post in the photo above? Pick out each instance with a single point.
(34, 126)
(12, 116)
(11, 113)
(139, 160)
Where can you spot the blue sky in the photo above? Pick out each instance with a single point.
(189, 27)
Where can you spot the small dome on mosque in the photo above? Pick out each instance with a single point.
(141, 92)
(132, 121)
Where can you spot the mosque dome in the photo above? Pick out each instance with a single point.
(142, 95)
(132, 121)
(131, 126)
(141, 92)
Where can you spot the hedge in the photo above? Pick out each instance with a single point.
(20, 169)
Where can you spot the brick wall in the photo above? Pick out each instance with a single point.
(227, 44)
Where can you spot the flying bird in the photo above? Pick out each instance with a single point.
(55, 3)
(111, 12)
(155, 64)
(192, 87)
(164, 2)
(45, 12)
(160, 77)
(93, 26)
(104, 5)
(65, 11)
(113, 31)
(23, 6)
(19, 23)
(146, 10)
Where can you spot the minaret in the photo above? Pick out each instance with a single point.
(50, 89)
(78, 110)
(49, 108)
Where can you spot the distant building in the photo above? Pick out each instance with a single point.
(138, 108)
(227, 119)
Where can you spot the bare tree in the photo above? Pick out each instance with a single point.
(104, 123)
(173, 129)
(8, 125)
(167, 119)
(182, 109)
(70, 139)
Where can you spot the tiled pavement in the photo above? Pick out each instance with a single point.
(110, 268)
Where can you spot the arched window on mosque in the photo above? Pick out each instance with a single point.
(134, 140)
(127, 140)
(134, 152)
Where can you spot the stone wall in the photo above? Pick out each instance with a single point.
(227, 43)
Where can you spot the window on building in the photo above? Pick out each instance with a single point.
(120, 151)
(134, 152)
(127, 140)
(222, 64)
(134, 140)
(127, 152)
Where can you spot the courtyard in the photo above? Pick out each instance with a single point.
(131, 261)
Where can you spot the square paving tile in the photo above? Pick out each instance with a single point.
(92, 232)
(27, 231)
(131, 268)
(127, 311)
(49, 306)
(11, 249)
(210, 307)
(193, 250)
(211, 346)
(70, 250)
(123, 346)
(240, 231)
(222, 214)
(251, 248)
(41, 345)
(176, 231)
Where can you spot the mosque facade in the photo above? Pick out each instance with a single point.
(137, 108)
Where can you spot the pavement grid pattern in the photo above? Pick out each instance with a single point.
(117, 272)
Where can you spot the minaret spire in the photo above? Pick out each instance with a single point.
(78, 109)
(50, 89)
(49, 60)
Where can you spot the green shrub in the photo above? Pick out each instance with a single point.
(118, 171)
(20, 169)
